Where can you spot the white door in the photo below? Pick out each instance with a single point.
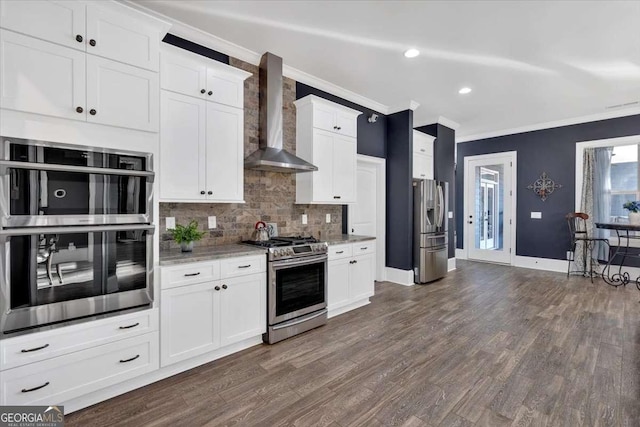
(40, 77)
(61, 22)
(323, 159)
(344, 174)
(183, 75)
(363, 215)
(242, 308)
(182, 147)
(338, 283)
(121, 37)
(121, 95)
(489, 207)
(225, 153)
(189, 321)
(362, 277)
(224, 88)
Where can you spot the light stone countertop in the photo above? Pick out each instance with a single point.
(345, 239)
(207, 253)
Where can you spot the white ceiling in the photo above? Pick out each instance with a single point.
(528, 62)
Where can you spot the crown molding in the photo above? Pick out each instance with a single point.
(552, 124)
(411, 105)
(448, 123)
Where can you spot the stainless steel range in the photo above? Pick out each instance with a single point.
(296, 286)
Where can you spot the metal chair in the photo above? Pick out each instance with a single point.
(578, 232)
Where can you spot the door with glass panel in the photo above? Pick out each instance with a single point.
(488, 207)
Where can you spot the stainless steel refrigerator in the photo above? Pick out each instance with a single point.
(430, 253)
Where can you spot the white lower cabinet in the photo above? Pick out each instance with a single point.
(351, 276)
(198, 318)
(59, 379)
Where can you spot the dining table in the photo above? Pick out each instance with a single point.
(612, 273)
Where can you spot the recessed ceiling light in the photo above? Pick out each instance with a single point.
(464, 90)
(411, 53)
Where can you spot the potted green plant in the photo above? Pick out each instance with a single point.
(634, 212)
(186, 235)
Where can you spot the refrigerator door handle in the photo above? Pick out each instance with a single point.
(440, 206)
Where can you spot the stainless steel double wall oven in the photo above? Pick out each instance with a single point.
(76, 237)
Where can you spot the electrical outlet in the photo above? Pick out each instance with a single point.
(536, 215)
(212, 222)
(328, 218)
(304, 219)
(450, 215)
(170, 223)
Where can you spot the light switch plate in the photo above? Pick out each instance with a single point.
(450, 215)
(170, 223)
(536, 215)
(328, 219)
(213, 223)
(304, 219)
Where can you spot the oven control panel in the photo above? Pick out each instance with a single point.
(298, 251)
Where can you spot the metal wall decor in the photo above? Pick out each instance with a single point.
(544, 186)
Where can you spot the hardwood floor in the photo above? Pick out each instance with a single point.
(487, 346)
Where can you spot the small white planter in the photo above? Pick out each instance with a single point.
(634, 218)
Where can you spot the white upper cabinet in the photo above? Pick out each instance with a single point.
(41, 77)
(422, 155)
(326, 136)
(194, 75)
(61, 22)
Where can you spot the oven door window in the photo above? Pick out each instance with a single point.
(51, 268)
(299, 287)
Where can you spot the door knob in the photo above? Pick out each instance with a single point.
(79, 38)
(92, 42)
(202, 91)
(209, 192)
(217, 288)
(92, 112)
(470, 222)
(79, 110)
(224, 286)
(202, 192)
(210, 93)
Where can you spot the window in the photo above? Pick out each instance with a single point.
(624, 179)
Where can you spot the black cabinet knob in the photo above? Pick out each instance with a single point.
(202, 90)
(92, 42)
(202, 192)
(79, 38)
(93, 112)
(224, 286)
(209, 192)
(79, 110)
(217, 288)
(210, 93)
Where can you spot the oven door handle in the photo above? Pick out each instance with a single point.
(299, 320)
(79, 229)
(72, 168)
(298, 261)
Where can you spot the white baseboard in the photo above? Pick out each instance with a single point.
(401, 277)
(461, 254)
(547, 264)
(451, 264)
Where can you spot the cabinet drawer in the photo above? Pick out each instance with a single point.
(36, 347)
(66, 377)
(340, 251)
(173, 277)
(363, 248)
(234, 267)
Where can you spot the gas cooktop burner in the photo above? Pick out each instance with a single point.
(281, 248)
(276, 242)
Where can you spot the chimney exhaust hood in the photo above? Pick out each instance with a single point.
(271, 156)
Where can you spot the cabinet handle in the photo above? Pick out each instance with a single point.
(93, 112)
(130, 360)
(335, 127)
(421, 174)
(27, 390)
(339, 252)
(339, 128)
(130, 326)
(203, 90)
(422, 150)
(191, 274)
(336, 197)
(244, 266)
(209, 192)
(210, 93)
(364, 249)
(79, 110)
(224, 286)
(92, 42)
(351, 262)
(355, 261)
(34, 349)
(79, 38)
(217, 288)
(202, 192)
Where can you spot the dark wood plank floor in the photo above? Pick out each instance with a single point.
(487, 346)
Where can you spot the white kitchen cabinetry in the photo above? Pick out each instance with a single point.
(422, 155)
(221, 303)
(351, 276)
(326, 137)
(201, 141)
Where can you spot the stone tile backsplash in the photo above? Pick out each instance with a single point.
(269, 196)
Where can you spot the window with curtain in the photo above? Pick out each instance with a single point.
(624, 179)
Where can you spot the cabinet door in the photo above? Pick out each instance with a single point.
(182, 147)
(346, 124)
(225, 161)
(121, 37)
(61, 22)
(40, 77)
(420, 166)
(121, 95)
(188, 322)
(182, 75)
(224, 89)
(429, 168)
(323, 159)
(243, 308)
(338, 283)
(344, 169)
(362, 283)
(324, 117)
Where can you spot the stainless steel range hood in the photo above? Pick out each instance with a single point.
(271, 156)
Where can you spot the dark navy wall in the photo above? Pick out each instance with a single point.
(196, 48)
(444, 166)
(372, 137)
(547, 150)
(400, 190)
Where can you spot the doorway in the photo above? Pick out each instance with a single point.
(489, 207)
(367, 215)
